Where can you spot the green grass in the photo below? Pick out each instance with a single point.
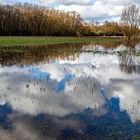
(37, 41)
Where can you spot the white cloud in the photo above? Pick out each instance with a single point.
(99, 10)
(67, 2)
(89, 9)
(116, 2)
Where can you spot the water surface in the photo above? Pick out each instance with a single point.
(70, 92)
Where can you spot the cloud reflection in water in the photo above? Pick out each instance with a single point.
(92, 84)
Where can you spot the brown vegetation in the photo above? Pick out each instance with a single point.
(34, 20)
(131, 21)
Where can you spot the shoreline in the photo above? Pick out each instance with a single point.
(40, 41)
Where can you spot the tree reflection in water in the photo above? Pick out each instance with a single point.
(130, 58)
(29, 55)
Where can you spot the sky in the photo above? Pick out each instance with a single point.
(96, 10)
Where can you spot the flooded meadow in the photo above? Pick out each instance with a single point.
(70, 92)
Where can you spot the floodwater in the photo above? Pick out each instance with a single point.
(70, 92)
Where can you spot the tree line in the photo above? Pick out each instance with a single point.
(106, 29)
(33, 20)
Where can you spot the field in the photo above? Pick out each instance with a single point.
(39, 41)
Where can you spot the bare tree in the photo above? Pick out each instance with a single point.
(131, 20)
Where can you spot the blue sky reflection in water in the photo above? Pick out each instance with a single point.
(95, 94)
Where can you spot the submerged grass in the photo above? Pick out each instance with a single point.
(39, 41)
